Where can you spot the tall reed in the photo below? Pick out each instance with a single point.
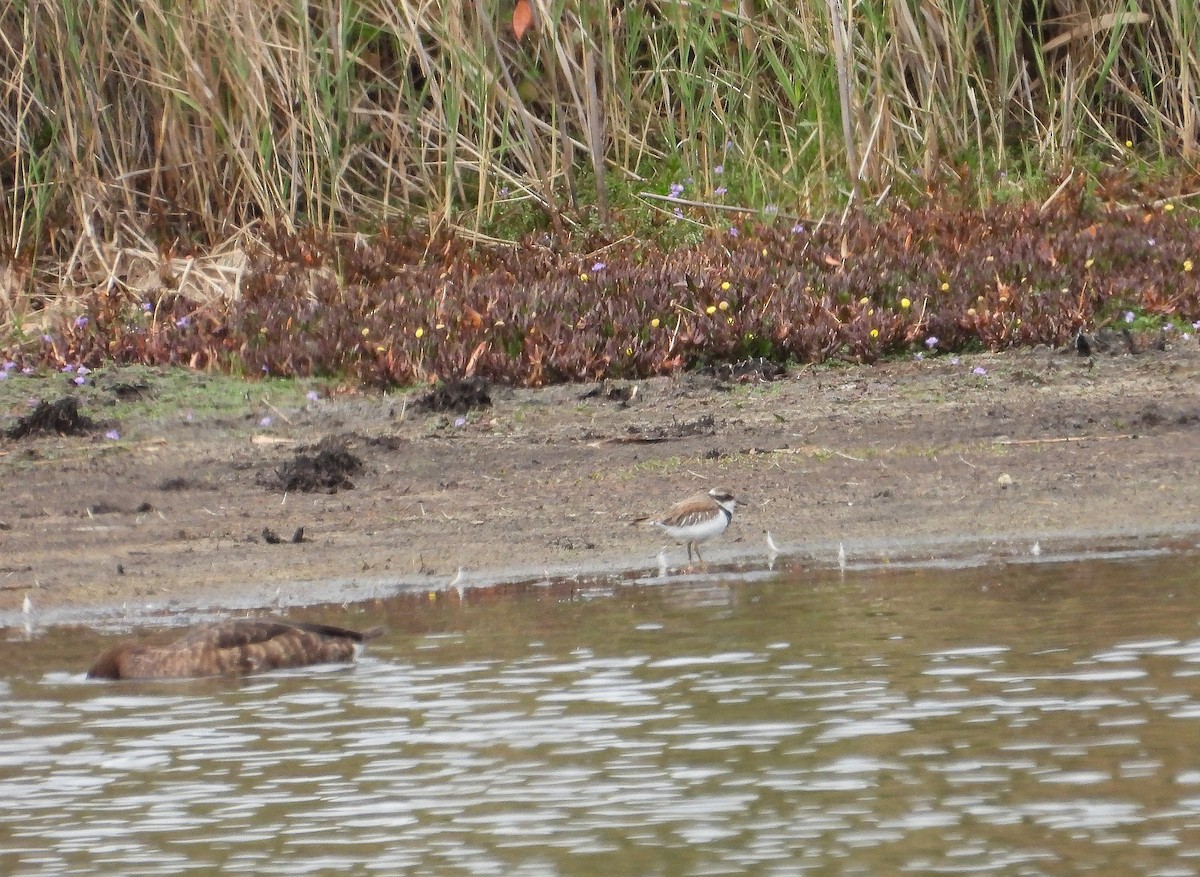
(155, 124)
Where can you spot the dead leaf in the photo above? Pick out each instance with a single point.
(522, 18)
(469, 371)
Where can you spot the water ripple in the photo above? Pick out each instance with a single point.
(699, 737)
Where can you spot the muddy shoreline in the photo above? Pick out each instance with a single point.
(968, 459)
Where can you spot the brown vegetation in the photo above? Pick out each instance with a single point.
(144, 125)
(406, 309)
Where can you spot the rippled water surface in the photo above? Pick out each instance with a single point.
(1021, 720)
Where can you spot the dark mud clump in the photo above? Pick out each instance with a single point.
(624, 396)
(704, 425)
(757, 370)
(1119, 342)
(61, 418)
(271, 537)
(459, 396)
(327, 467)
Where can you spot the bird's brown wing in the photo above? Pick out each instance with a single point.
(340, 632)
(235, 632)
(233, 648)
(297, 647)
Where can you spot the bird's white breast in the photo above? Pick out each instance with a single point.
(696, 530)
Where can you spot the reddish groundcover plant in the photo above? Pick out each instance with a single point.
(404, 309)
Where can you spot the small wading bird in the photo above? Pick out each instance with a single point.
(697, 518)
(233, 648)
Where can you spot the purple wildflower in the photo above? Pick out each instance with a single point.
(183, 322)
(919, 356)
(720, 190)
(313, 395)
(979, 371)
(599, 266)
(80, 322)
(266, 421)
(79, 381)
(719, 169)
(460, 421)
(9, 365)
(112, 435)
(733, 232)
(931, 342)
(1129, 317)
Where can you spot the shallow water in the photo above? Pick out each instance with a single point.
(1035, 719)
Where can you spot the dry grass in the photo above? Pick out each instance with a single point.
(160, 132)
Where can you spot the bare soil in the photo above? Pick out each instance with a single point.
(900, 460)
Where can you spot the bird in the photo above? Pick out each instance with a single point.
(235, 647)
(697, 518)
